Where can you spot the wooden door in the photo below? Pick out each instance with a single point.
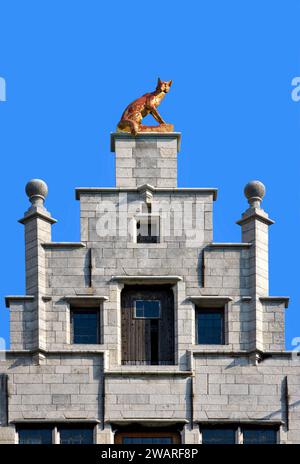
(147, 340)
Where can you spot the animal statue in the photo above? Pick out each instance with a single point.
(131, 120)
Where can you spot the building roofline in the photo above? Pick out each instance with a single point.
(96, 190)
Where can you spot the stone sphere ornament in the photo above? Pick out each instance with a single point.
(36, 190)
(254, 192)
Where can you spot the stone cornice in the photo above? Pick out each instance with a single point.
(194, 352)
(146, 279)
(139, 371)
(85, 299)
(96, 190)
(18, 298)
(71, 351)
(63, 245)
(240, 421)
(150, 420)
(214, 300)
(144, 135)
(241, 353)
(37, 214)
(229, 245)
(276, 299)
(255, 216)
(63, 420)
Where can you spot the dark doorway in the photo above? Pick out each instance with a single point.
(147, 325)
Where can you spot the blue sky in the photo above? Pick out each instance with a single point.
(71, 67)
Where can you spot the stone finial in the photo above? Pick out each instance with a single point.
(254, 192)
(36, 190)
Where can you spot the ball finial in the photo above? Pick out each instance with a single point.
(254, 192)
(36, 190)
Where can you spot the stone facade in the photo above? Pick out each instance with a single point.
(248, 379)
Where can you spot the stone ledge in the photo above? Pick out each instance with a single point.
(147, 246)
(209, 299)
(239, 421)
(149, 421)
(282, 353)
(10, 298)
(144, 135)
(276, 299)
(101, 351)
(73, 350)
(219, 352)
(95, 190)
(84, 298)
(54, 421)
(63, 245)
(229, 245)
(257, 216)
(263, 354)
(146, 279)
(137, 371)
(211, 190)
(37, 214)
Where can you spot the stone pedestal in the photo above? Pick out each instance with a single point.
(148, 158)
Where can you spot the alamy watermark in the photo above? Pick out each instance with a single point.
(296, 89)
(296, 350)
(2, 89)
(164, 218)
(2, 350)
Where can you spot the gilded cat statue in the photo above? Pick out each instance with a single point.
(131, 120)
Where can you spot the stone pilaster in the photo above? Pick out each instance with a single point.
(255, 230)
(37, 221)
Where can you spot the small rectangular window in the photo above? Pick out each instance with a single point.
(35, 436)
(218, 436)
(147, 229)
(85, 326)
(76, 436)
(210, 326)
(259, 436)
(147, 309)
